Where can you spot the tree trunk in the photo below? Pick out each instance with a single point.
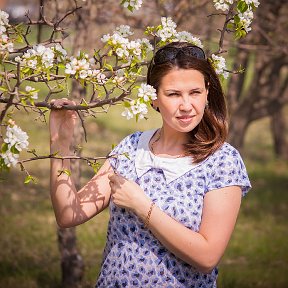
(278, 128)
(237, 130)
(72, 263)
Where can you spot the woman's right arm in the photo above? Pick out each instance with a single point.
(73, 207)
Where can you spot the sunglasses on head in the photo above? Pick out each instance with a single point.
(167, 54)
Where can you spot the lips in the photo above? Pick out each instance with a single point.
(185, 118)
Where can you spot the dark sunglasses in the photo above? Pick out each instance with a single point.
(167, 54)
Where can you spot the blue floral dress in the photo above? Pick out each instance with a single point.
(133, 257)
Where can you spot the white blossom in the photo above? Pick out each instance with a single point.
(4, 19)
(133, 4)
(246, 17)
(147, 92)
(135, 48)
(37, 56)
(222, 4)
(69, 69)
(101, 78)
(10, 158)
(167, 29)
(34, 94)
(120, 52)
(32, 63)
(16, 137)
(83, 74)
(219, 64)
(80, 66)
(5, 44)
(185, 36)
(105, 38)
(60, 49)
(145, 44)
(255, 2)
(124, 30)
(127, 113)
(139, 108)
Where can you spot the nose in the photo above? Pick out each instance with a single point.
(185, 104)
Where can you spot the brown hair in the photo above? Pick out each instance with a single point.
(212, 131)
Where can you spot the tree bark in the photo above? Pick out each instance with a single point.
(278, 128)
(72, 263)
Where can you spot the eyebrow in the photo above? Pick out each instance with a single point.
(193, 89)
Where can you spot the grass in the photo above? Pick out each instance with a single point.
(257, 255)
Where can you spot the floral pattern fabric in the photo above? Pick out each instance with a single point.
(133, 257)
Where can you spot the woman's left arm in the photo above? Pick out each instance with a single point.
(204, 249)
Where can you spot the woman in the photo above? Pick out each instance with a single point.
(174, 203)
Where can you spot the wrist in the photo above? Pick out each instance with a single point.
(143, 208)
(147, 219)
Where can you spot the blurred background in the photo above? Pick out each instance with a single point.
(32, 248)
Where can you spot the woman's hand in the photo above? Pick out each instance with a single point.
(62, 123)
(127, 194)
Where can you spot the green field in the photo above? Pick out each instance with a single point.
(257, 255)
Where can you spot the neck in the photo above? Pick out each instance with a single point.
(172, 138)
(169, 142)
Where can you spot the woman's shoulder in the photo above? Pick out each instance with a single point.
(128, 143)
(226, 150)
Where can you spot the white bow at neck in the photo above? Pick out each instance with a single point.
(145, 160)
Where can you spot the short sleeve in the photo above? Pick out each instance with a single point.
(228, 169)
(123, 151)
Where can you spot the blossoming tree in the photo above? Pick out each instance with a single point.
(111, 74)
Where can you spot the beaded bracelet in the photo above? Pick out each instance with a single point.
(146, 222)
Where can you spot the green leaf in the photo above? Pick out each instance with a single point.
(236, 19)
(3, 166)
(14, 150)
(19, 39)
(23, 101)
(43, 109)
(26, 70)
(96, 166)
(127, 104)
(113, 146)
(30, 178)
(33, 151)
(61, 65)
(126, 154)
(84, 103)
(242, 6)
(65, 171)
(230, 26)
(109, 67)
(3, 89)
(4, 147)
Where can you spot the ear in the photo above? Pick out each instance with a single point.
(154, 105)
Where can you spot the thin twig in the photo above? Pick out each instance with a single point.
(83, 125)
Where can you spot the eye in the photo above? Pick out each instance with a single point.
(173, 94)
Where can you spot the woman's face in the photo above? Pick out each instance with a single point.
(181, 99)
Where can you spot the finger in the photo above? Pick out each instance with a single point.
(59, 103)
(111, 177)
